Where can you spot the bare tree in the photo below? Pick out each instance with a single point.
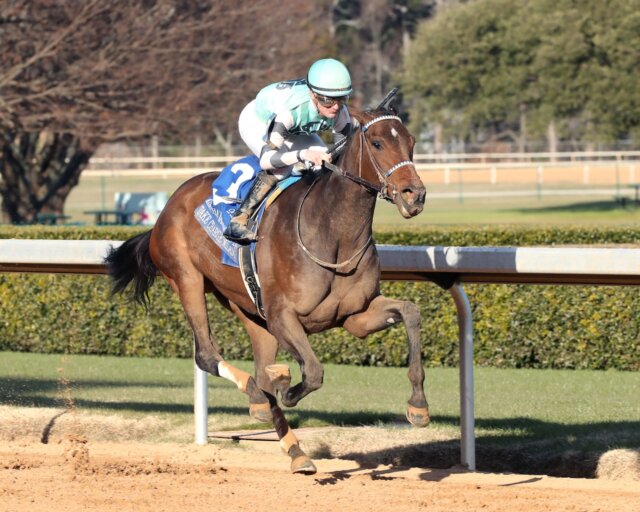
(74, 74)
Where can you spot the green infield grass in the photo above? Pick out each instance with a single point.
(527, 210)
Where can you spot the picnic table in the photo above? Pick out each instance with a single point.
(131, 208)
(51, 219)
(111, 217)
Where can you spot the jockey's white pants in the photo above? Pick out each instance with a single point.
(254, 134)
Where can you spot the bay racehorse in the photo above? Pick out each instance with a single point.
(317, 263)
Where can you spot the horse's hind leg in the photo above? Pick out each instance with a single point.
(382, 313)
(207, 355)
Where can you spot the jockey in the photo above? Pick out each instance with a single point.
(281, 125)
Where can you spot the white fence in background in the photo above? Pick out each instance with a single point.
(583, 169)
(450, 266)
(98, 163)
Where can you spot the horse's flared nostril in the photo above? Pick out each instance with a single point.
(414, 195)
(409, 195)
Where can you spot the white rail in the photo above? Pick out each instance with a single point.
(448, 266)
(573, 156)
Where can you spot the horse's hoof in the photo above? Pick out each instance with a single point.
(280, 377)
(261, 412)
(278, 372)
(288, 401)
(303, 465)
(418, 416)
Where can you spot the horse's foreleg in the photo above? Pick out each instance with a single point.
(286, 327)
(382, 313)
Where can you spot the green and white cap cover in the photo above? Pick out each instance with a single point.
(329, 77)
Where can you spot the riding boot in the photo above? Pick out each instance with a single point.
(237, 230)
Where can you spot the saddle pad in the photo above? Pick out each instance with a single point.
(228, 191)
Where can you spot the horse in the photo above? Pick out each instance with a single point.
(318, 269)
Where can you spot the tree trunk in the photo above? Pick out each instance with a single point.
(522, 139)
(226, 141)
(437, 139)
(39, 170)
(552, 138)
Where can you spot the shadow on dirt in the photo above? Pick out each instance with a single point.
(562, 450)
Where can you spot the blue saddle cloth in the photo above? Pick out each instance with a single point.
(227, 193)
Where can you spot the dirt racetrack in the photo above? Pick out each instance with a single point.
(72, 474)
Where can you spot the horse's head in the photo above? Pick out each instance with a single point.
(385, 159)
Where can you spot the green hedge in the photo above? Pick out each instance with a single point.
(515, 325)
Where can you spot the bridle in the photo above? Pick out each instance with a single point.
(381, 191)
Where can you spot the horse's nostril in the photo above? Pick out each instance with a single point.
(409, 195)
(414, 195)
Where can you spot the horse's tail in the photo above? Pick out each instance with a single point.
(132, 262)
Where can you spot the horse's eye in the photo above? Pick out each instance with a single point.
(377, 144)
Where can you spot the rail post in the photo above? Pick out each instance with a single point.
(467, 414)
(200, 404)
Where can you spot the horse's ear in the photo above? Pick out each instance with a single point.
(385, 104)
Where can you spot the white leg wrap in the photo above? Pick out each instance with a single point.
(238, 377)
(288, 441)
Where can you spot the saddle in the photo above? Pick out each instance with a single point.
(228, 191)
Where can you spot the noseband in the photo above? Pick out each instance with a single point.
(383, 190)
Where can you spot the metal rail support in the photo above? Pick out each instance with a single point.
(200, 404)
(465, 337)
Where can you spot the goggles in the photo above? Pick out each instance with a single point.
(328, 102)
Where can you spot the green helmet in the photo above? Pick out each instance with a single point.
(329, 77)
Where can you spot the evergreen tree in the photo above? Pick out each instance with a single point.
(503, 69)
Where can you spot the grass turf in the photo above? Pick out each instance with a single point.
(568, 409)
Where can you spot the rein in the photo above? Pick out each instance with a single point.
(380, 191)
(315, 259)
